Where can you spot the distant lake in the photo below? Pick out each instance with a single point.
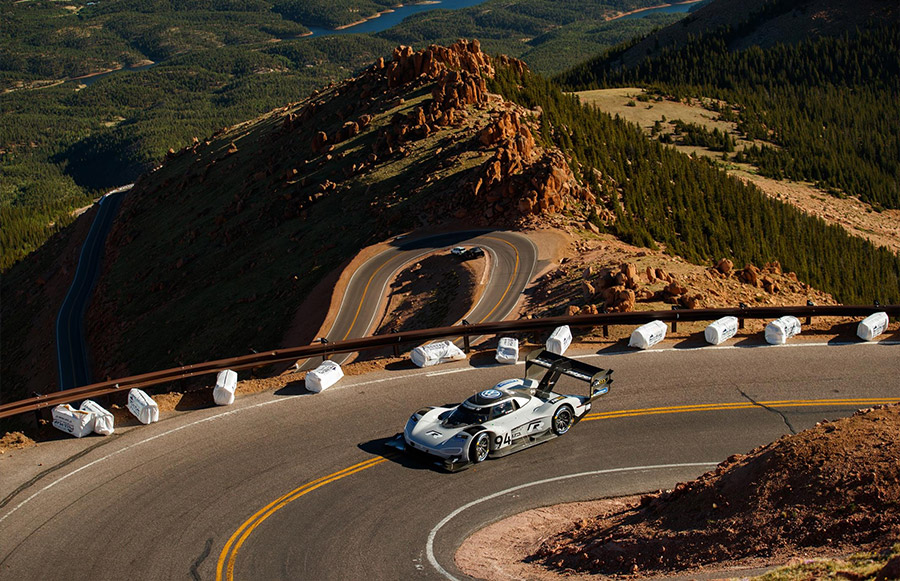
(394, 18)
(670, 9)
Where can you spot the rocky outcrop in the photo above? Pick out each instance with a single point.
(407, 64)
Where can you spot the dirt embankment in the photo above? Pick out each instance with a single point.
(830, 490)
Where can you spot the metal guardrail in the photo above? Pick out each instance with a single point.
(392, 340)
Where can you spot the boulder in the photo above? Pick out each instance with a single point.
(750, 275)
(725, 266)
(673, 289)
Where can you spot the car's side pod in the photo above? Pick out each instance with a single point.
(557, 365)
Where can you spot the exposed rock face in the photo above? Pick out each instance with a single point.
(406, 64)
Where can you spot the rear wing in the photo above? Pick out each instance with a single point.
(547, 367)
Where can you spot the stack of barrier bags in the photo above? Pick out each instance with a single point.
(507, 351)
(872, 326)
(324, 376)
(780, 330)
(648, 335)
(559, 340)
(91, 417)
(721, 330)
(226, 383)
(142, 406)
(434, 353)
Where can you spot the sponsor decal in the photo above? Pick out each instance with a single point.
(490, 394)
(434, 434)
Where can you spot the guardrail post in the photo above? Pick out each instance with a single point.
(324, 341)
(675, 320)
(396, 345)
(741, 319)
(809, 303)
(465, 337)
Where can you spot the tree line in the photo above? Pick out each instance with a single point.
(828, 104)
(695, 209)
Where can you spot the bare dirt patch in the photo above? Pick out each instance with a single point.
(15, 441)
(828, 491)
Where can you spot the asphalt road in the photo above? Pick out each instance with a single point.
(513, 258)
(71, 347)
(294, 486)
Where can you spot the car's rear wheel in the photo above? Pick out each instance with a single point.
(480, 447)
(563, 419)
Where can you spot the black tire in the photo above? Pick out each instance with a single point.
(480, 448)
(563, 419)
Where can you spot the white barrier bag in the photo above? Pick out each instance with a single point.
(721, 330)
(648, 335)
(508, 351)
(559, 340)
(872, 326)
(103, 420)
(142, 406)
(72, 421)
(434, 353)
(324, 376)
(226, 383)
(780, 330)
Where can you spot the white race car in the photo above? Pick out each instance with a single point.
(513, 415)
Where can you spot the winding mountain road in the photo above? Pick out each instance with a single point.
(513, 258)
(71, 347)
(288, 485)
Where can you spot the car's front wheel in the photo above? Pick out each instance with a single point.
(563, 419)
(480, 447)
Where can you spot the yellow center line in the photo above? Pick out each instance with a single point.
(511, 278)
(237, 539)
(362, 300)
(225, 565)
(730, 406)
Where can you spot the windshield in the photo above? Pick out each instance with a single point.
(463, 416)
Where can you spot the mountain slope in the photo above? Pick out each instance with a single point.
(215, 251)
(763, 23)
(825, 106)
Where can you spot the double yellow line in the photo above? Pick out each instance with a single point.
(225, 566)
(710, 407)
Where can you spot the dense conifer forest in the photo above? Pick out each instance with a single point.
(696, 210)
(217, 63)
(829, 105)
